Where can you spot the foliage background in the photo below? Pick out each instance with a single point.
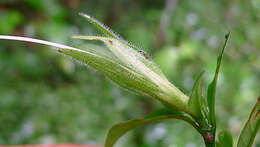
(49, 98)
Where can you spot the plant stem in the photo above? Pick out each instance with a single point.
(209, 139)
(207, 144)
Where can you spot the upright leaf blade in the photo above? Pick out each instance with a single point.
(212, 89)
(251, 127)
(122, 128)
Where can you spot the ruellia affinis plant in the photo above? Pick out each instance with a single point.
(132, 69)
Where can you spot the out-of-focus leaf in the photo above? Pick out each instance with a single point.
(122, 128)
(225, 139)
(9, 21)
(37, 5)
(212, 89)
(51, 145)
(251, 127)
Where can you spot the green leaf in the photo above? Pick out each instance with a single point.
(195, 102)
(225, 139)
(122, 128)
(212, 89)
(251, 127)
(197, 105)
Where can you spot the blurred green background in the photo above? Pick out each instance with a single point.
(48, 98)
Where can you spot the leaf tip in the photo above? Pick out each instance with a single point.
(227, 35)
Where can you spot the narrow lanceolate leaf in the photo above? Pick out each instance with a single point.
(212, 88)
(122, 128)
(225, 139)
(251, 127)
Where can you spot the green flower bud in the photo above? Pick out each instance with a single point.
(131, 69)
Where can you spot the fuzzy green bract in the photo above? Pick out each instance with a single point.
(100, 26)
(251, 127)
(116, 71)
(130, 69)
(106, 30)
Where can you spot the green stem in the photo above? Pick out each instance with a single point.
(209, 138)
(207, 144)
